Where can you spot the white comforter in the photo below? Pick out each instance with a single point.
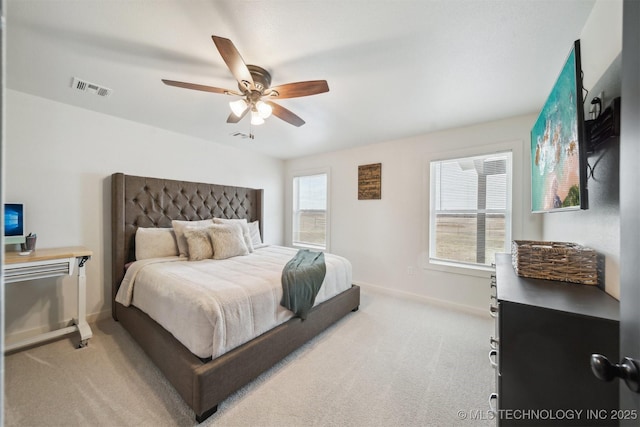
(213, 306)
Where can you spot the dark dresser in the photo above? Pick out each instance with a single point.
(545, 334)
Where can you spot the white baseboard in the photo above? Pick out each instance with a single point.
(12, 337)
(101, 315)
(484, 312)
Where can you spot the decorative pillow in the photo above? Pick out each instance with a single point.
(254, 232)
(245, 229)
(155, 243)
(179, 226)
(199, 243)
(227, 241)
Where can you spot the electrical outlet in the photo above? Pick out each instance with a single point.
(411, 271)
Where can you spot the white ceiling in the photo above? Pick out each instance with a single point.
(395, 68)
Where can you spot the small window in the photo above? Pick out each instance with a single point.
(470, 210)
(310, 210)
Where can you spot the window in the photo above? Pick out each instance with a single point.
(470, 213)
(310, 210)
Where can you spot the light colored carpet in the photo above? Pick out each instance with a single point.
(395, 362)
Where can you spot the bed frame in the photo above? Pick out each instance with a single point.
(203, 384)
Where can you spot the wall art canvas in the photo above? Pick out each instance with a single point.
(370, 182)
(556, 181)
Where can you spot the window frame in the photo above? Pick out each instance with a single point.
(460, 267)
(308, 173)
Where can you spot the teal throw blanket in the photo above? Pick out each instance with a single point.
(302, 277)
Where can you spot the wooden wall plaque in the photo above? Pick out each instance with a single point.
(370, 182)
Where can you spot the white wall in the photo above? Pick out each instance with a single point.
(599, 226)
(386, 240)
(59, 160)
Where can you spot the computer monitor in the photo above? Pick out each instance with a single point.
(14, 223)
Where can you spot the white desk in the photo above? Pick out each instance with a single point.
(54, 262)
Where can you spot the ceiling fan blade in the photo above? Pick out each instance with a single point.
(298, 89)
(284, 114)
(235, 119)
(233, 60)
(200, 87)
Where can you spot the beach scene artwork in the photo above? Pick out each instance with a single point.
(555, 158)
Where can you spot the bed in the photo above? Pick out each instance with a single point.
(203, 382)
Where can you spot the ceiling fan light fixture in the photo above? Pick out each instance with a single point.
(254, 84)
(238, 107)
(255, 118)
(264, 109)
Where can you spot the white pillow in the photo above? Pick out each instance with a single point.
(245, 229)
(199, 243)
(254, 232)
(179, 227)
(155, 243)
(227, 241)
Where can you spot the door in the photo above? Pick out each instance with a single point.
(630, 201)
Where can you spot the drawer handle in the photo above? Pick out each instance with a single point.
(492, 409)
(493, 343)
(493, 356)
(493, 311)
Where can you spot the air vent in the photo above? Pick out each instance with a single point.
(93, 88)
(243, 135)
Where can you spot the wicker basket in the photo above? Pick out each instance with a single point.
(567, 262)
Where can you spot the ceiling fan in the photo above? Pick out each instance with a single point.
(254, 89)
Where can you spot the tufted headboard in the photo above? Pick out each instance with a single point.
(152, 202)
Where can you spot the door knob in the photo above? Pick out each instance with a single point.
(607, 371)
